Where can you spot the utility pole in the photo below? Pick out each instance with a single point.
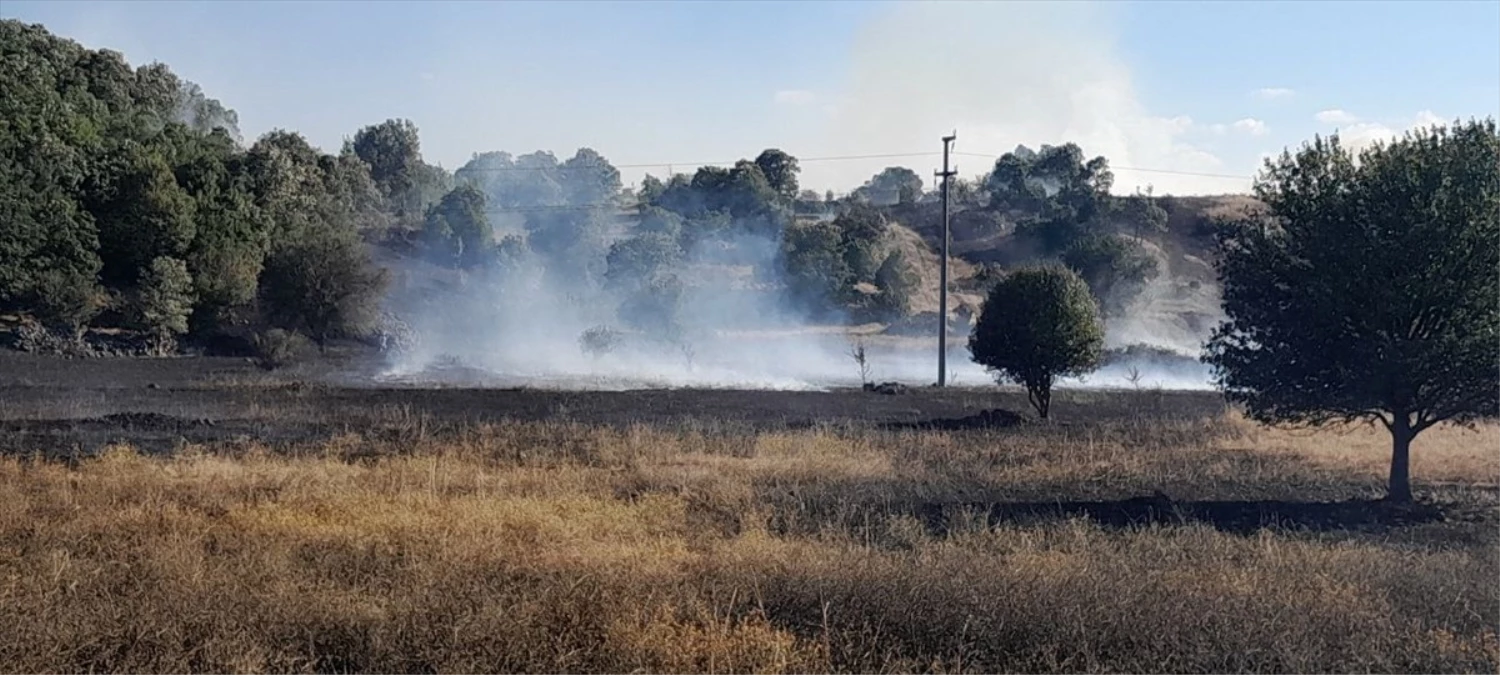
(945, 174)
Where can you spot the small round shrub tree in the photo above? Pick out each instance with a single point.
(1038, 324)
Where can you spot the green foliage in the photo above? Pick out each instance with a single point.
(588, 179)
(780, 170)
(635, 261)
(65, 298)
(1115, 269)
(657, 220)
(165, 299)
(813, 263)
(50, 249)
(1371, 292)
(393, 151)
(141, 213)
(324, 285)
(893, 185)
(599, 340)
(823, 261)
(1144, 214)
(1064, 197)
(716, 200)
(1038, 324)
(458, 229)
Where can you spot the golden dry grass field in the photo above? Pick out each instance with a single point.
(568, 547)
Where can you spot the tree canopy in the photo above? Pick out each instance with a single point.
(893, 185)
(1370, 292)
(1063, 195)
(1038, 324)
(128, 189)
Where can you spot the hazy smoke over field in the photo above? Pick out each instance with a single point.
(524, 324)
(1002, 74)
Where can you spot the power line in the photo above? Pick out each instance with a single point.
(800, 160)
(1138, 169)
(841, 158)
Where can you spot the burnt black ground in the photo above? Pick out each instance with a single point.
(80, 404)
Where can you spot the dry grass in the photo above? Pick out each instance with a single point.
(557, 548)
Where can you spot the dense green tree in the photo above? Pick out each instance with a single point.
(1144, 214)
(49, 246)
(637, 260)
(1038, 324)
(284, 174)
(322, 284)
(655, 308)
(588, 180)
(164, 301)
(812, 261)
(141, 213)
(393, 151)
(650, 192)
(132, 183)
(458, 228)
(893, 185)
(1062, 196)
(1371, 292)
(780, 170)
(657, 220)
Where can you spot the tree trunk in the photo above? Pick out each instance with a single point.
(1041, 400)
(1401, 435)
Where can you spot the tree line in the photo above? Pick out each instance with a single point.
(127, 199)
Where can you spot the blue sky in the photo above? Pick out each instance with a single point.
(1174, 86)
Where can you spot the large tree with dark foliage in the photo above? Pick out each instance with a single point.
(780, 170)
(1063, 195)
(1038, 324)
(1371, 291)
(457, 228)
(323, 285)
(893, 185)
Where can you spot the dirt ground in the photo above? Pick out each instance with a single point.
(79, 405)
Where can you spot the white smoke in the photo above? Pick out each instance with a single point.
(1003, 74)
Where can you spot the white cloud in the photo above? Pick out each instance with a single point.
(1272, 93)
(903, 93)
(1218, 129)
(1362, 135)
(1335, 116)
(794, 97)
(1427, 118)
(1251, 126)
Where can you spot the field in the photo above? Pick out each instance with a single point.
(195, 515)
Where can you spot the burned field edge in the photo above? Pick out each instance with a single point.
(77, 406)
(707, 530)
(72, 410)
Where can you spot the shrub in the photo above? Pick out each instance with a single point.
(277, 348)
(1037, 324)
(325, 284)
(164, 301)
